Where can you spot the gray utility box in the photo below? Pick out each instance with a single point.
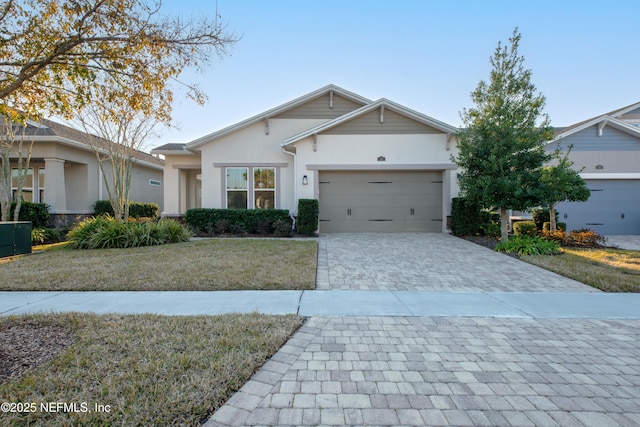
(15, 238)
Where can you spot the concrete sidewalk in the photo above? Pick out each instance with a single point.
(595, 305)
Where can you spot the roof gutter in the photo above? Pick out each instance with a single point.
(295, 179)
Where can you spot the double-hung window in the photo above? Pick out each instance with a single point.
(251, 187)
(27, 186)
(237, 188)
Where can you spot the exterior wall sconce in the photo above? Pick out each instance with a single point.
(382, 159)
(599, 167)
(305, 180)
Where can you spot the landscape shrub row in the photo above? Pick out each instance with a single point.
(136, 209)
(37, 213)
(105, 232)
(210, 222)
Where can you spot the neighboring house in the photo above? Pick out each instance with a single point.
(374, 166)
(64, 172)
(607, 150)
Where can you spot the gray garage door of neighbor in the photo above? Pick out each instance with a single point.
(613, 208)
(380, 201)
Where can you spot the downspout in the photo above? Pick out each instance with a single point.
(295, 180)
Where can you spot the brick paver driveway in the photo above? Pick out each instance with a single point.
(432, 371)
(390, 371)
(427, 262)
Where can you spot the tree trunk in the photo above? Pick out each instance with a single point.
(552, 219)
(504, 225)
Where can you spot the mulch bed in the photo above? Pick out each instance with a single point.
(25, 345)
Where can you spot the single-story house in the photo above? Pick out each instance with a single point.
(606, 149)
(64, 172)
(377, 166)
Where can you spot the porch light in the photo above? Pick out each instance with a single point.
(599, 167)
(305, 180)
(382, 159)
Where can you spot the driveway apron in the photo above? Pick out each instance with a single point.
(427, 262)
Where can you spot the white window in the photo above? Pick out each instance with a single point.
(237, 188)
(251, 187)
(41, 184)
(27, 186)
(264, 188)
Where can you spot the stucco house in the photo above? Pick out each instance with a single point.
(64, 172)
(378, 166)
(375, 166)
(606, 149)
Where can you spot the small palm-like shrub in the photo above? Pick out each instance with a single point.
(528, 245)
(105, 232)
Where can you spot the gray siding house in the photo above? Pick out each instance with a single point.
(607, 151)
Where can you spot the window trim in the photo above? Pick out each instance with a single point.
(250, 166)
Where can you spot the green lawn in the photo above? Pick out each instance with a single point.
(146, 370)
(611, 270)
(211, 264)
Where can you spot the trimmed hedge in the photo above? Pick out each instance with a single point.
(37, 213)
(239, 221)
(308, 213)
(136, 209)
(527, 228)
(467, 218)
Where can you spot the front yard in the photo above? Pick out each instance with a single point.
(143, 370)
(204, 265)
(610, 270)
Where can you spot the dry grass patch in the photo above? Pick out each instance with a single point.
(212, 264)
(149, 370)
(611, 270)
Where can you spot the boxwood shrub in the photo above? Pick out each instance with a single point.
(308, 213)
(37, 213)
(239, 221)
(525, 228)
(136, 209)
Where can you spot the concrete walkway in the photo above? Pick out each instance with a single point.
(537, 305)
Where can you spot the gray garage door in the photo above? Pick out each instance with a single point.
(380, 201)
(612, 208)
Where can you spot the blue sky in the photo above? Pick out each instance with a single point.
(427, 55)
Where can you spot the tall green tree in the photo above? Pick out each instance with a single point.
(561, 182)
(501, 144)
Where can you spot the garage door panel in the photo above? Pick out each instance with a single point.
(380, 201)
(613, 208)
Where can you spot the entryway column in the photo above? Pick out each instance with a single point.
(55, 188)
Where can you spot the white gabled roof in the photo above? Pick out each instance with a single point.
(383, 102)
(275, 111)
(603, 121)
(607, 119)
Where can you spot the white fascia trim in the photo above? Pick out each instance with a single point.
(611, 121)
(274, 112)
(614, 175)
(85, 147)
(626, 110)
(397, 108)
(174, 152)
